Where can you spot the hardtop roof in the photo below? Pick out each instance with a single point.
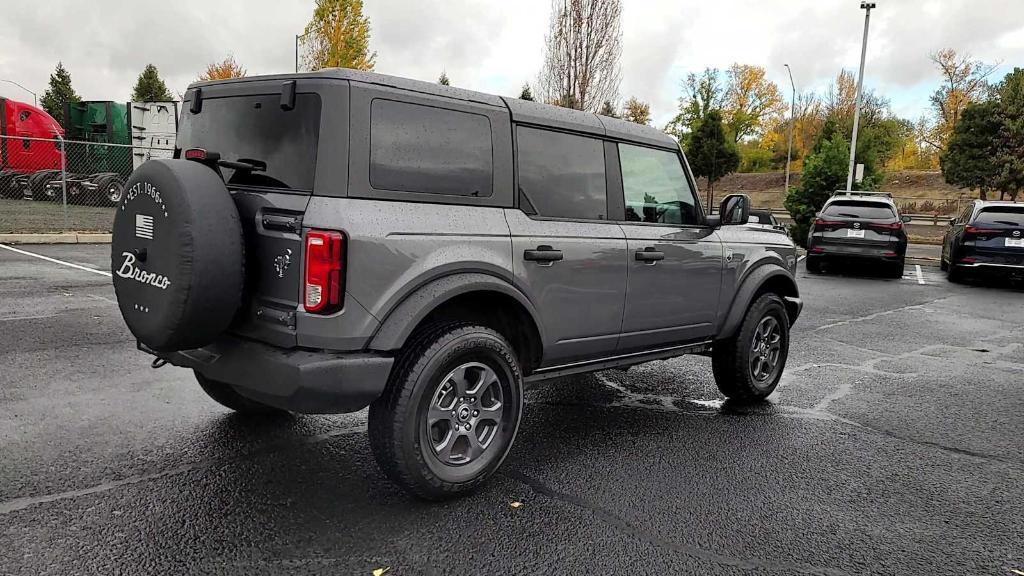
(522, 111)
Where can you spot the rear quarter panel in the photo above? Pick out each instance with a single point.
(393, 248)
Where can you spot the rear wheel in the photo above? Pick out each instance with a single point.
(37, 186)
(226, 396)
(943, 265)
(896, 269)
(109, 191)
(748, 366)
(7, 189)
(450, 412)
(813, 265)
(954, 274)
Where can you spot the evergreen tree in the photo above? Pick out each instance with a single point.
(1010, 155)
(710, 152)
(970, 157)
(150, 87)
(58, 93)
(824, 172)
(443, 80)
(526, 94)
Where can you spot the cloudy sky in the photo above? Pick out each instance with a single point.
(495, 46)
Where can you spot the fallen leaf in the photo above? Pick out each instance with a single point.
(381, 571)
(516, 504)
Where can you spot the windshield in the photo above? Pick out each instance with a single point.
(1006, 216)
(859, 209)
(255, 130)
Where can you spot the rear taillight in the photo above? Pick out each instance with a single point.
(325, 260)
(821, 224)
(975, 231)
(887, 227)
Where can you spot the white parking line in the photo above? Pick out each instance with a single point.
(920, 275)
(55, 261)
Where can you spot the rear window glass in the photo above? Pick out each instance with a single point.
(562, 175)
(855, 209)
(254, 129)
(1007, 216)
(416, 148)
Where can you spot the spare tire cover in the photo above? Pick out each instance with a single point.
(176, 255)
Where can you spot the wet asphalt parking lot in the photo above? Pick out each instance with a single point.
(893, 446)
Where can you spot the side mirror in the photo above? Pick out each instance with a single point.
(906, 219)
(735, 209)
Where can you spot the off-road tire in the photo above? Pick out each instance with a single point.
(730, 359)
(226, 396)
(397, 420)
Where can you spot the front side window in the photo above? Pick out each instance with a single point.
(655, 187)
(562, 175)
(415, 148)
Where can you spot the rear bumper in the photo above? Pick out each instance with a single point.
(992, 267)
(892, 252)
(307, 381)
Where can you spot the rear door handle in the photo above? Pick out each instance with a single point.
(544, 254)
(649, 255)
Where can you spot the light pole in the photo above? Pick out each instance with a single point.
(792, 120)
(866, 6)
(34, 97)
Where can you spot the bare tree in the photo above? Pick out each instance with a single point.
(582, 51)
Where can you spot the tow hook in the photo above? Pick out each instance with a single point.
(158, 363)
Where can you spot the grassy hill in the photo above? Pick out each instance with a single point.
(916, 192)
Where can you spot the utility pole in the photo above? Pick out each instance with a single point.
(792, 120)
(866, 6)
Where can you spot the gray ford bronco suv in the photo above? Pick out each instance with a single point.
(329, 241)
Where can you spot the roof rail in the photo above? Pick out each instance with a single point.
(860, 193)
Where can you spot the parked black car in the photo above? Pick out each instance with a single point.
(985, 237)
(858, 226)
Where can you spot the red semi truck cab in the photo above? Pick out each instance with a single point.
(27, 139)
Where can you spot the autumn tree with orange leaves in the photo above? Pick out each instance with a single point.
(223, 70)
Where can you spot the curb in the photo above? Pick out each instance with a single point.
(67, 238)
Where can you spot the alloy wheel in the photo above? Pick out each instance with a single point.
(465, 414)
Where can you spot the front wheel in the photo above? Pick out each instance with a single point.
(450, 411)
(748, 366)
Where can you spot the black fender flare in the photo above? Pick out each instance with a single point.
(406, 316)
(751, 286)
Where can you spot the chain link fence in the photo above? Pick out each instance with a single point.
(52, 185)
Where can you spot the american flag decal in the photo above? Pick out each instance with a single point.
(144, 226)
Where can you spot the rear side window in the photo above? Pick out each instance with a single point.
(855, 209)
(1004, 216)
(562, 175)
(416, 148)
(655, 187)
(255, 130)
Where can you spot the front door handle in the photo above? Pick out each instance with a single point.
(544, 254)
(649, 255)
